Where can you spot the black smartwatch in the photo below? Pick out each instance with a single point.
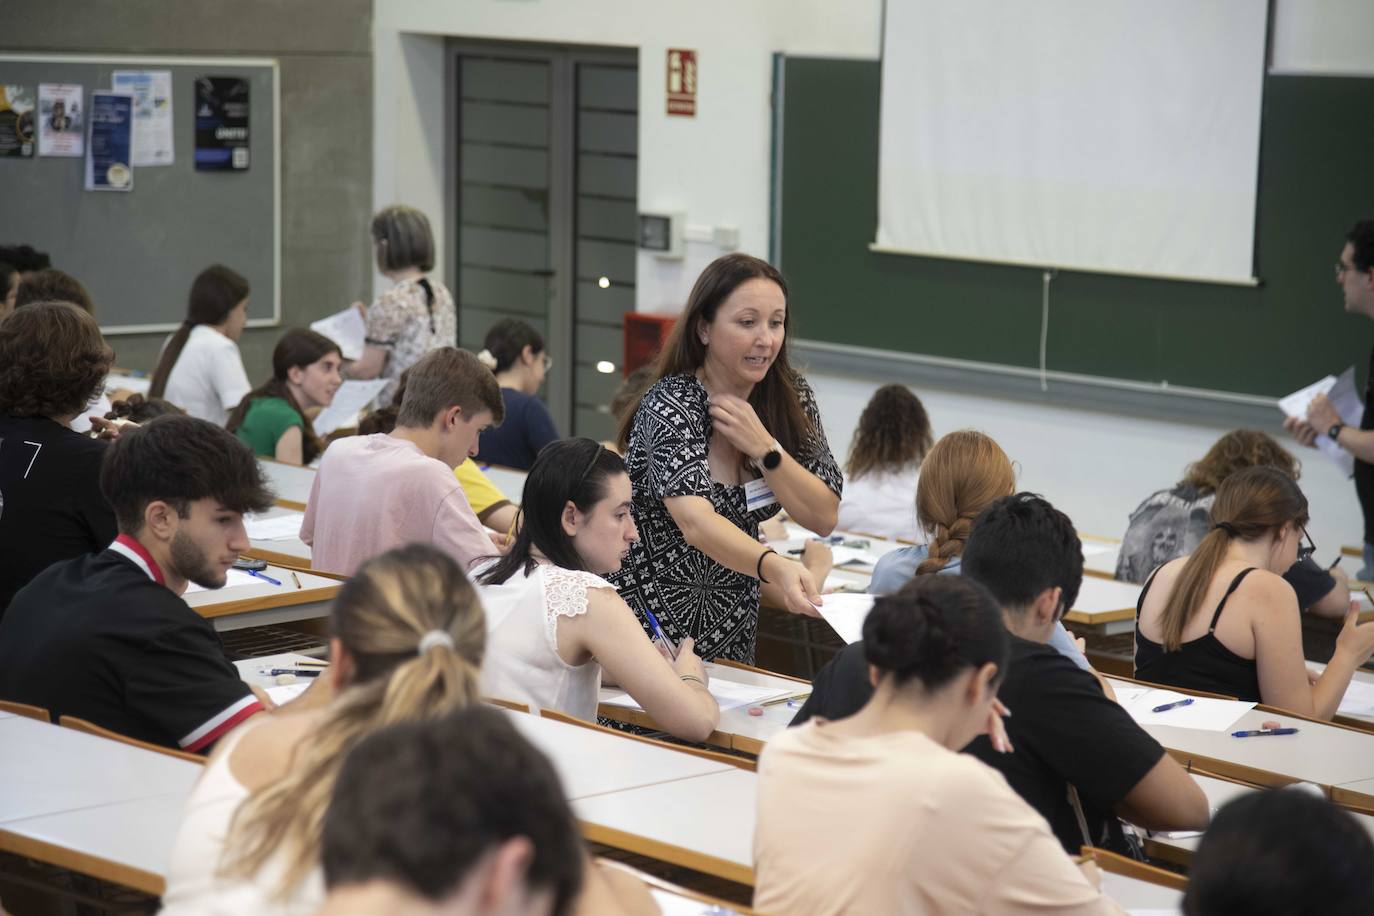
(1335, 431)
(771, 458)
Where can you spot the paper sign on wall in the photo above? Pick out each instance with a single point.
(16, 120)
(61, 120)
(152, 92)
(221, 124)
(111, 140)
(682, 82)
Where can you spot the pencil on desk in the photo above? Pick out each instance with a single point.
(296, 579)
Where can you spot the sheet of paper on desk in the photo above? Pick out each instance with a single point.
(1341, 391)
(349, 401)
(234, 577)
(346, 329)
(671, 904)
(285, 693)
(728, 694)
(1090, 549)
(1358, 700)
(845, 613)
(1204, 713)
(277, 528)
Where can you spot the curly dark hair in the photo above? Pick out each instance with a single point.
(1235, 451)
(53, 361)
(894, 432)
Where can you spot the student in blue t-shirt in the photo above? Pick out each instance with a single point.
(515, 352)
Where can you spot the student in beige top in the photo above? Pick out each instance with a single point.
(913, 826)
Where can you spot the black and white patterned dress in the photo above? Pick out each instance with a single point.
(690, 593)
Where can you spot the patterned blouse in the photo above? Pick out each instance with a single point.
(402, 322)
(690, 593)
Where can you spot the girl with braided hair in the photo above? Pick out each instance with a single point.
(963, 474)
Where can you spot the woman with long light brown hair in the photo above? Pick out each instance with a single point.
(1253, 650)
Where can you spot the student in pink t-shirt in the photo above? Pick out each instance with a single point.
(373, 493)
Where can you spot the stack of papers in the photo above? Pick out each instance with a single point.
(346, 328)
(728, 694)
(1358, 700)
(846, 613)
(349, 401)
(1341, 391)
(1204, 713)
(276, 528)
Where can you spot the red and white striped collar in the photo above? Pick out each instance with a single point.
(131, 549)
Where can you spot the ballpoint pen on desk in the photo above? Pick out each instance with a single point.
(660, 635)
(1258, 732)
(1174, 705)
(263, 576)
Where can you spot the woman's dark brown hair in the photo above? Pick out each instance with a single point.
(53, 360)
(1250, 504)
(893, 433)
(51, 285)
(774, 399)
(141, 409)
(1235, 451)
(217, 290)
(297, 348)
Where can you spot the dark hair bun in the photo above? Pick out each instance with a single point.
(933, 628)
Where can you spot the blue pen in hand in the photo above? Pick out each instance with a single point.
(1174, 705)
(660, 635)
(265, 578)
(1255, 733)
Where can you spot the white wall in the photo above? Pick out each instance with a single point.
(1094, 466)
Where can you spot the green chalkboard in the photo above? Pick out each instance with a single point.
(1316, 179)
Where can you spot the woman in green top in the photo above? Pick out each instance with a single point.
(272, 417)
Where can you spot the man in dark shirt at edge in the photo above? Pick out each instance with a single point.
(106, 637)
(1066, 734)
(1355, 277)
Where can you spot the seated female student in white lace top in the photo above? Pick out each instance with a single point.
(553, 623)
(407, 642)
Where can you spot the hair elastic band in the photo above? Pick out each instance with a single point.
(1228, 528)
(486, 359)
(434, 638)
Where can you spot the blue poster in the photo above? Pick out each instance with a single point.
(111, 141)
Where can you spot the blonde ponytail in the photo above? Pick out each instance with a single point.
(962, 474)
(396, 603)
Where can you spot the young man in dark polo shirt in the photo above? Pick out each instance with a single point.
(106, 637)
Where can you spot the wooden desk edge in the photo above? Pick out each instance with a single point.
(82, 862)
(1097, 617)
(291, 504)
(667, 852)
(268, 602)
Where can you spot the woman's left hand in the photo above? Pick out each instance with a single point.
(735, 419)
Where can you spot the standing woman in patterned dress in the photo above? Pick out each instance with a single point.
(414, 316)
(727, 419)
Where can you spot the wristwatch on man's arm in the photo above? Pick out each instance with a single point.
(1335, 431)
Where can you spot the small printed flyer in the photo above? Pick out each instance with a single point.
(61, 120)
(16, 120)
(152, 92)
(111, 139)
(221, 123)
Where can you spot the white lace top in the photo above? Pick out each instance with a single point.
(522, 661)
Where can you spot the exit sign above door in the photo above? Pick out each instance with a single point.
(682, 82)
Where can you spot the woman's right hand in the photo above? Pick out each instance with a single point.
(687, 664)
(1356, 639)
(796, 583)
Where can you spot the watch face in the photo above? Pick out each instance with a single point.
(772, 459)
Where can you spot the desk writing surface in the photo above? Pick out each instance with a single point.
(1134, 894)
(282, 550)
(137, 834)
(1100, 554)
(46, 769)
(591, 762)
(1098, 597)
(711, 814)
(509, 481)
(261, 602)
(290, 482)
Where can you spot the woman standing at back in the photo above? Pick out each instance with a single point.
(201, 370)
(1224, 620)
(892, 438)
(414, 316)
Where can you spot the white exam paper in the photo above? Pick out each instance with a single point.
(845, 613)
(345, 328)
(235, 578)
(728, 694)
(285, 693)
(1358, 700)
(278, 528)
(349, 401)
(1340, 390)
(1203, 714)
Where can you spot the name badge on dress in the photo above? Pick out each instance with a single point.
(757, 494)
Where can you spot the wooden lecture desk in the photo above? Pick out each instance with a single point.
(290, 482)
(288, 551)
(256, 603)
(1100, 555)
(1105, 605)
(737, 731)
(90, 804)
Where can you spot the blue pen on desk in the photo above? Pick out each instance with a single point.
(1174, 705)
(660, 635)
(1257, 732)
(298, 672)
(264, 577)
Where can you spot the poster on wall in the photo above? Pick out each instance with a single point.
(110, 142)
(221, 123)
(152, 93)
(61, 120)
(16, 120)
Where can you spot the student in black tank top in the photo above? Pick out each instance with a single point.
(1224, 620)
